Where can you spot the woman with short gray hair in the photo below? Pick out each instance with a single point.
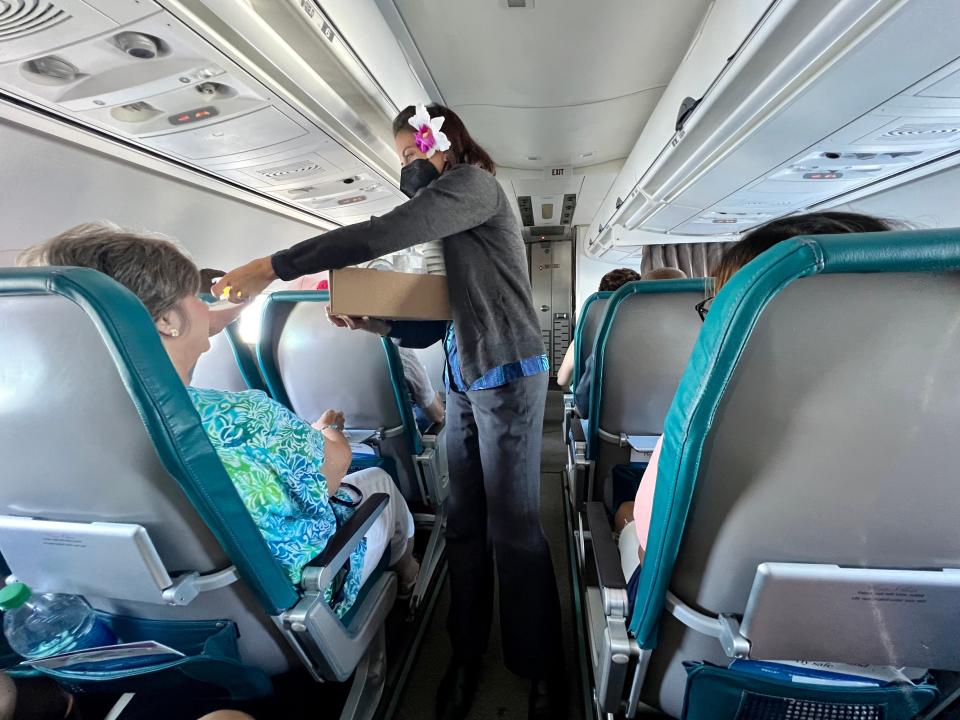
(291, 477)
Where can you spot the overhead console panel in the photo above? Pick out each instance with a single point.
(133, 69)
(811, 109)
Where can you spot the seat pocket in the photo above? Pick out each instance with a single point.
(210, 666)
(718, 693)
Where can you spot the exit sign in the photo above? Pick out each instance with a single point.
(558, 172)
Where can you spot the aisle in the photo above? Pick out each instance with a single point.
(503, 696)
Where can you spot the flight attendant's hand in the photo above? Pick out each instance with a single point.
(246, 282)
(372, 325)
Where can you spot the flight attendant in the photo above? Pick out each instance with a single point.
(497, 372)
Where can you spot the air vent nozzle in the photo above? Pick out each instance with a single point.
(138, 45)
(216, 90)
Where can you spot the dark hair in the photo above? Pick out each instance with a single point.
(463, 148)
(766, 236)
(616, 278)
(207, 277)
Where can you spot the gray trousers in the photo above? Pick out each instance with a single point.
(493, 447)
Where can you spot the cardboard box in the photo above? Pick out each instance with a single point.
(389, 295)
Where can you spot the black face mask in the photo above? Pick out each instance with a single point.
(417, 175)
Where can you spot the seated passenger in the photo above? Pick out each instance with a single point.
(632, 519)
(209, 277)
(613, 280)
(291, 476)
(582, 398)
(427, 405)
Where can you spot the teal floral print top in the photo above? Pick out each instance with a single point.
(274, 459)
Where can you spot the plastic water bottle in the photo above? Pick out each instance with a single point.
(410, 261)
(44, 624)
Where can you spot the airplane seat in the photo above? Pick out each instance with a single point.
(230, 364)
(115, 493)
(434, 359)
(310, 365)
(640, 349)
(806, 503)
(588, 322)
(218, 368)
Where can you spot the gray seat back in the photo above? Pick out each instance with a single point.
(313, 366)
(434, 359)
(815, 423)
(588, 325)
(218, 368)
(641, 349)
(95, 426)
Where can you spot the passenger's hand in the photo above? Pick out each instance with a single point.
(246, 282)
(222, 316)
(332, 419)
(372, 325)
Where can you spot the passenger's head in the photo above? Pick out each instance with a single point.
(154, 269)
(766, 236)
(208, 276)
(665, 273)
(614, 279)
(463, 148)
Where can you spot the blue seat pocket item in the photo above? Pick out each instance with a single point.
(718, 693)
(387, 464)
(210, 665)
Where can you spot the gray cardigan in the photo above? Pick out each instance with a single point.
(490, 300)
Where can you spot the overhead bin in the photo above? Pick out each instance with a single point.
(824, 97)
(236, 88)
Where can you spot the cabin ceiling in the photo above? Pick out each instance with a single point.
(565, 82)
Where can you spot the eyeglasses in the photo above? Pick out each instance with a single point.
(703, 307)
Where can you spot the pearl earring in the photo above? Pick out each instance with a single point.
(174, 333)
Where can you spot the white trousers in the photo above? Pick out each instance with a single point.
(629, 547)
(393, 528)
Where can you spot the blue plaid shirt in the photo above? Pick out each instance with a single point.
(497, 377)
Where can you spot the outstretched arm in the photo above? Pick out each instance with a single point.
(462, 198)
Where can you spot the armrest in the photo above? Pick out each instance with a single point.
(320, 572)
(576, 432)
(433, 430)
(605, 552)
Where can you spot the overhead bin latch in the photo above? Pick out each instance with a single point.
(687, 107)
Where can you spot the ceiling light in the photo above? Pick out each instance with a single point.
(585, 155)
(135, 112)
(533, 158)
